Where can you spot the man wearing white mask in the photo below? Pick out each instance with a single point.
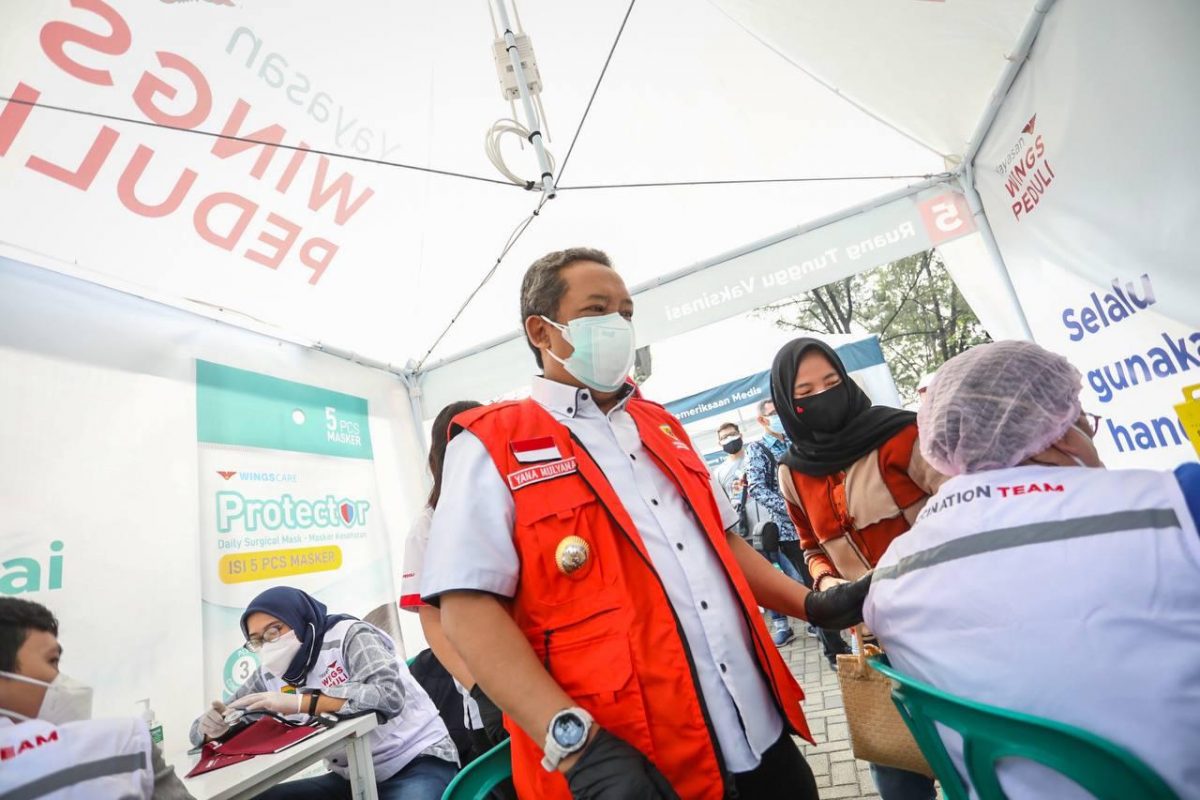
(314, 662)
(588, 576)
(49, 745)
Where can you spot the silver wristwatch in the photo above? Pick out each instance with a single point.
(567, 734)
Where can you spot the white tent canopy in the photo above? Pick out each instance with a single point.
(317, 175)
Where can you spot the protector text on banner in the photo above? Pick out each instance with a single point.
(287, 497)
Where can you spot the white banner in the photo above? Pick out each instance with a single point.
(99, 469)
(734, 283)
(1091, 194)
(287, 498)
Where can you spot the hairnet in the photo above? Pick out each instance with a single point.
(996, 405)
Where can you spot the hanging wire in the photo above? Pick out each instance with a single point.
(513, 238)
(248, 140)
(745, 181)
(595, 89)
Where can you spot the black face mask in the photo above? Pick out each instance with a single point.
(825, 412)
(732, 446)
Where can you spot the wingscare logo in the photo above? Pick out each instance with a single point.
(288, 512)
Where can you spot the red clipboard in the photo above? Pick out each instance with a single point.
(262, 737)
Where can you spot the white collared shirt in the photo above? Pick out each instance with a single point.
(471, 547)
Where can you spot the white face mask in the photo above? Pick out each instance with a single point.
(277, 656)
(66, 700)
(604, 350)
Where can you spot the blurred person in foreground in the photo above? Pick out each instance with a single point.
(50, 747)
(854, 480)
(1035, 580)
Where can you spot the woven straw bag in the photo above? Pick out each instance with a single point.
(877, 732)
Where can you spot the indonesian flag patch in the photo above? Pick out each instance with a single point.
(541, 448)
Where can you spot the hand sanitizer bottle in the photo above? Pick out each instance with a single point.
(156, 730)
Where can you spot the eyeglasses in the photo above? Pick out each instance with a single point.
(1093, 423)
(273, 632)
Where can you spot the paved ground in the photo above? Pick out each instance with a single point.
(838, 773)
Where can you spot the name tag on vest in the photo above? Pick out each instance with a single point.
(542, 472)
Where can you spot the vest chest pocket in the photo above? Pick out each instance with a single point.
(565, 541)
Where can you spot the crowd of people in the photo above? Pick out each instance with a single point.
(589, 589)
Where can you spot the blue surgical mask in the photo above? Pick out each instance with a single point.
(775, 425)
(604, 350)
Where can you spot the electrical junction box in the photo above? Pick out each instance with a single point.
(504, 68)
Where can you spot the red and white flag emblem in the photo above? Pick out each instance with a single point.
(541, 448)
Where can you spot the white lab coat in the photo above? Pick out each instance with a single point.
(1066, 593)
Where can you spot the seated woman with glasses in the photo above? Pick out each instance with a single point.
(314, 662)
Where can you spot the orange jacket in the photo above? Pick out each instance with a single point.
(607, 633)
(846, 520)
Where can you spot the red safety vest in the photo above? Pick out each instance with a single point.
(607, 632)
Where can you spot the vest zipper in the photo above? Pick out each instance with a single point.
(546, 644)
(730, 789)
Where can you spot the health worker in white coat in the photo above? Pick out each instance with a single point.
(314, 662)
(1035, 580)
(50, 748)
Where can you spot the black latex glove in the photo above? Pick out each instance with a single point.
(612, 769)
(839, 606)
(492, 716)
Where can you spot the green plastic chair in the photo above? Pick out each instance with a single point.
(989, 734)
(481, 775)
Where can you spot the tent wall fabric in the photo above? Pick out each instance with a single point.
(925, 69)
(319, 223)
(103, 515)
(1088, 179)
(786, 264)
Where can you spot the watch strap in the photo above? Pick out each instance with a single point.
(553, 752)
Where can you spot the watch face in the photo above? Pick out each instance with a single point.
(567, 730)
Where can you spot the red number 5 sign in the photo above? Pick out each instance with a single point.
(946, 217)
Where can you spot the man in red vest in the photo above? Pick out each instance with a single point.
(585, 574)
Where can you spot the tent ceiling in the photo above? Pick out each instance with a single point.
(691, 94)
(925, 67)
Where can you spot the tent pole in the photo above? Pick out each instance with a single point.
(966, 181)
(829, 219)
(966, 175)
(355, 358)
(412, 382)
(1016, 60)
(535, 136)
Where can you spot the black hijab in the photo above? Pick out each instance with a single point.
(842, 425)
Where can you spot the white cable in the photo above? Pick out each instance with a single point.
(491, 145)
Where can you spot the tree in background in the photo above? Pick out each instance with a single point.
(921, 318)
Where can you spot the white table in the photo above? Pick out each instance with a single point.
(248, 778)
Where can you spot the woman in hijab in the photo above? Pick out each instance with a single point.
(853, 478)
(314, 662)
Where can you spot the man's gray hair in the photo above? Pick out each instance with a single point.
(542, 288)
(762, 406)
